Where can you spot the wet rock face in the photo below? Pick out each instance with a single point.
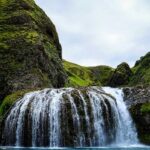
(30, 52)
(120, 76)
(138, 102)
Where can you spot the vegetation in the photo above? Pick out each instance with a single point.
(10, 100)
(145, 108)
(30, 52)
(120, 76)
(30, 58)
(87, 76)
(78, 75)
(123, 75)
(101, 74)
(140, 114)
(141, 71)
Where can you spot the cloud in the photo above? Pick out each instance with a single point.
(98, 32)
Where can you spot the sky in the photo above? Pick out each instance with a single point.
(101, 32)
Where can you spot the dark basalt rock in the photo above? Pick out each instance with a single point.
(136, 95)
(138, 102)
(120, 76)
(30, 52)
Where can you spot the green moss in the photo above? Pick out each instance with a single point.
(145, 108)
(32, 36)
(141, 71)
(30, 52)
(140, 114)
(10, 100)
(42, 76)
(3, 46)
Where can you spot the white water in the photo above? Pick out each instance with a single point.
(95, 100)
(126, 131)
(86, 117)
(76, 122)
(36, 119)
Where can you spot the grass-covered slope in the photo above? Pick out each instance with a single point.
(123, 75)
(101, 74)
(87, 76)
(30, 52)
(141, 71)
(78, 75)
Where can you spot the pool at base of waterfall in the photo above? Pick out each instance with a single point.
(134, 147)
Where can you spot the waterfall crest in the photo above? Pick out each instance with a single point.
(92, 116)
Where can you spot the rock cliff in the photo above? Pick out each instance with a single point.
(30, 52)
(138, 102)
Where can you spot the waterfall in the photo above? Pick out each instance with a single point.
(92, 116)
(126, 131)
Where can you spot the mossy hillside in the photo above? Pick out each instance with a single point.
(30, 52)
(87, 76)
(78, 75)
(123, 75)
(141, 71)
(76, 81)
(101, 74)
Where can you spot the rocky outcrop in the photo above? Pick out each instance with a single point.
(30, 52)
(120, 76)
(138, 102)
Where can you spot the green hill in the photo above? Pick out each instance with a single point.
(123, 75)
(87, 76)
(141, 71)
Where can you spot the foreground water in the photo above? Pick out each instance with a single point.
(89, 148)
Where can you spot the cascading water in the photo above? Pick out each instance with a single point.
(126, 131)
(90, 116)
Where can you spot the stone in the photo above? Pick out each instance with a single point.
(30, 52)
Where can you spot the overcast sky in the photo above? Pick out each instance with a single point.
(101, 32)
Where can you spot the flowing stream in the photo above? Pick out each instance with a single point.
(69, 117)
